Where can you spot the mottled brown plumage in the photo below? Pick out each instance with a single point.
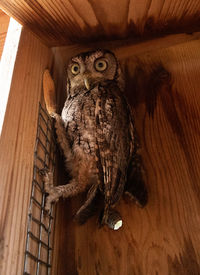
(97, 135)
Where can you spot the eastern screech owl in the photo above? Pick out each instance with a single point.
(97, 135)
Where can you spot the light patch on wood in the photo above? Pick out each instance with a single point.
(7, 65)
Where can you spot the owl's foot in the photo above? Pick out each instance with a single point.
(53, 196)
(55, 116)
(49, 188)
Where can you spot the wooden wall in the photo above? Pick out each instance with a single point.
(17, 150)
(164, 237)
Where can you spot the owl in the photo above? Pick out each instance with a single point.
(97, 135)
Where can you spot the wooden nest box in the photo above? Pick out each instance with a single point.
(158, 45)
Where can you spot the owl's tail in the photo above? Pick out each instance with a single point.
(111, 218)
(111, 179)
(112, 189)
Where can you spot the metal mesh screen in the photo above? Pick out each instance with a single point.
(38, 251)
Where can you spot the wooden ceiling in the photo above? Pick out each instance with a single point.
(64, 22)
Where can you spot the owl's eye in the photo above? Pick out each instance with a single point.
(100, 65)
(75, 69)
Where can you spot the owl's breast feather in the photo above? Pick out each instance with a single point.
(78, 116)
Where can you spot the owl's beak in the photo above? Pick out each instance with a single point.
(87, 84)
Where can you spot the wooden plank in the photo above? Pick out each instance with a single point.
(68, 22)
(4, 22)
(17, 150)
(164, 237)
(125, 47)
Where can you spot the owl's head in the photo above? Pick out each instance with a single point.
(89, 69)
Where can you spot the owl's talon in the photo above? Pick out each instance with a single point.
(52, 197)
(47, 207)
(43, 172)
(54, 115)
(47, 188)
(48, 181)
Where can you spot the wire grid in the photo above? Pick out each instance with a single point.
(38, 253)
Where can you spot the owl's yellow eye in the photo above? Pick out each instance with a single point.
(75, 69)
(100, 65)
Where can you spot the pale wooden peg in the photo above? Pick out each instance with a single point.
(49, 93)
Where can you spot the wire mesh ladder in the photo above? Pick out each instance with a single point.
(38, 253)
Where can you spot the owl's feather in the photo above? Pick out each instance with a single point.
(112, 134)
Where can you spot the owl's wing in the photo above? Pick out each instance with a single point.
(113, 139)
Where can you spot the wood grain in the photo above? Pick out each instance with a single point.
(17, 150)
(4, 22)
(60, 23)
(164, 237)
